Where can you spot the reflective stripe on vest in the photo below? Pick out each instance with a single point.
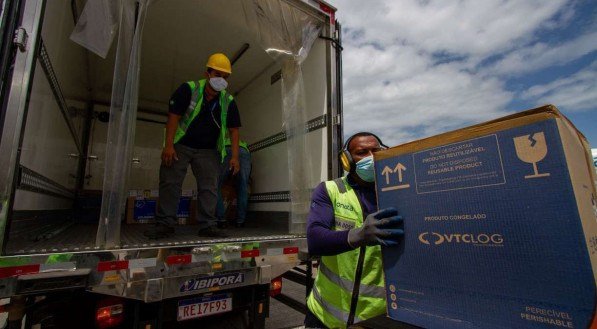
(338, 314)
(193, 111)
(364, 289)
(332, 292)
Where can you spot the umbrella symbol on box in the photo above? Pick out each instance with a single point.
(531, 149)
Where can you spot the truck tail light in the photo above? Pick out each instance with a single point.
(275, 287)
(109, 313)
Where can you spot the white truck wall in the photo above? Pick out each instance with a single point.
(149, 139)
(260, 106)
(47, 141)
(168, 61)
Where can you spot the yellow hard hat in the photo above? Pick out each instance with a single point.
(220, 62)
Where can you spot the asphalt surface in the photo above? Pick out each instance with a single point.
(283, 316)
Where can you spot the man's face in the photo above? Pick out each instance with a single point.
(217, 74)
(363, 146)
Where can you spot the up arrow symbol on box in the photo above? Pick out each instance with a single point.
(386, 172)
(399, 168)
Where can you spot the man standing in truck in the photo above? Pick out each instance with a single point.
(345, 229)
(201, 115)
(241, 184)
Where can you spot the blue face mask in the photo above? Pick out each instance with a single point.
(365, 169)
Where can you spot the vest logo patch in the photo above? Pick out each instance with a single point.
(348, 207)
(212, 282)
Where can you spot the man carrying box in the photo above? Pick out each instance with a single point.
(345, 229)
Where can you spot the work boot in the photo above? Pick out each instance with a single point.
(212, 232)
(159, 230)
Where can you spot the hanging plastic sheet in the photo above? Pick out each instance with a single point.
(121, 127)
(97, 26)
(287, 33)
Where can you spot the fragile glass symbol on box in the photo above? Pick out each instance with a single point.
(531, 149)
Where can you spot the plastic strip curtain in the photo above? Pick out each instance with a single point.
(287, 33)
(97, 26)
(121, 128)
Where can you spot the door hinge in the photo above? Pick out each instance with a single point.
(20, 39)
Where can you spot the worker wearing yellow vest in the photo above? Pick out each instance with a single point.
(201, 115)
(346, 230)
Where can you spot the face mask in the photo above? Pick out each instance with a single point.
(365, 169)
(218, 83)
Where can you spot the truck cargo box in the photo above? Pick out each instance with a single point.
(84, 125)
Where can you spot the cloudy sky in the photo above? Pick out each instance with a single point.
(416, 68)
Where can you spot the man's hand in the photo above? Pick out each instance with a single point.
(234, 165)
(169, 155)
(380, 228)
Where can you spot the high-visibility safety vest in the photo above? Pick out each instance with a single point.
(195, 107)
(332, 292)
(240, 143)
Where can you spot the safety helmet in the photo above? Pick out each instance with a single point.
(220, 62)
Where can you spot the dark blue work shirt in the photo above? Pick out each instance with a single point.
(204, 130)
(321, 237)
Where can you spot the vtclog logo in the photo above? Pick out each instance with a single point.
(481, 239)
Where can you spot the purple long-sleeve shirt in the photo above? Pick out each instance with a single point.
(321, 237)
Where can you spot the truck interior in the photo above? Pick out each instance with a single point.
(66, 150)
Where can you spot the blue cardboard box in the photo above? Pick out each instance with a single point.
(142, 210)
(184, 207)
(500, 225)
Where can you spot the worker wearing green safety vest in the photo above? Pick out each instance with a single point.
(201, 115)
(345, 229)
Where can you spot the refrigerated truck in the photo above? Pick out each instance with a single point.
(65, 262)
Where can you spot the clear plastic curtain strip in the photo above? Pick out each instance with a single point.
(121, 128)
(97, 26)
(287, 34)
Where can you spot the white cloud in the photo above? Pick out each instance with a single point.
(542, 55)
(401, 95)
(574, 93)
(469, 27)
(412, 67)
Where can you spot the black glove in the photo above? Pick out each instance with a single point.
(380, 228)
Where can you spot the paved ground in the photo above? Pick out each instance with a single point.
(282, 316)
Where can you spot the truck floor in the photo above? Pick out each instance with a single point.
(81, 237)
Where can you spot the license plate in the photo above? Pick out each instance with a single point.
(203, 306)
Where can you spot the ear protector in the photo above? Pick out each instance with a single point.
(346, 159)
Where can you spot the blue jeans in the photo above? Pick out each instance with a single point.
(242, 187)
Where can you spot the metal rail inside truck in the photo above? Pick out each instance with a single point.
(81, 133)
